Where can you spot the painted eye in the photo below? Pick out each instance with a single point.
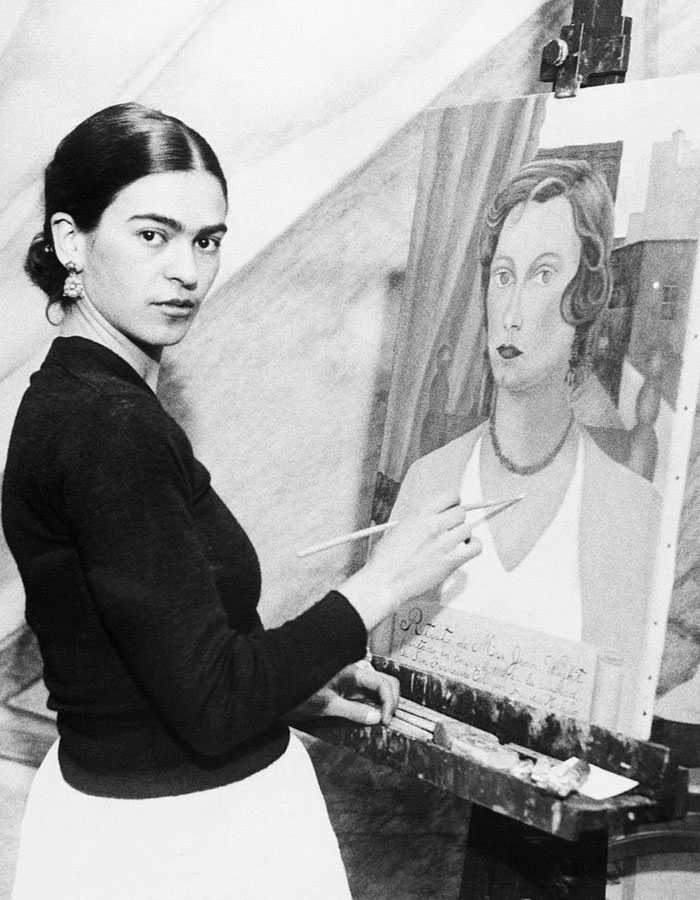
(545, 276)
(502, 277)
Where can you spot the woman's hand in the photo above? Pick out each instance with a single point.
(417, 555)
(347, 694)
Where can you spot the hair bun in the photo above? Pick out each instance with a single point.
(43, 268)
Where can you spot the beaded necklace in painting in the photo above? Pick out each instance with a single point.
(532, 469)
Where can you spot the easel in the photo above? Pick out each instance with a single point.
(523, 843)
(593, 50)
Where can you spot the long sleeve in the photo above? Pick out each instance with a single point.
(151, 535)
(142, 589)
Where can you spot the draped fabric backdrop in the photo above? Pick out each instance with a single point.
(469, 153)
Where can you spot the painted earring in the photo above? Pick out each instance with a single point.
(573, 373)
(73, 286)
(579, 363)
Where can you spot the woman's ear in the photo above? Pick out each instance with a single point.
(68, 240)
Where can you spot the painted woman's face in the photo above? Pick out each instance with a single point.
(154, 255)
(537, 255)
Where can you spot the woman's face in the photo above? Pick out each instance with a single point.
(154, 255)
(537, 255)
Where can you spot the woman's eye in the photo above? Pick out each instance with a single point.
(502, 277)
(209, 244)
(151, 237)
(544, 276)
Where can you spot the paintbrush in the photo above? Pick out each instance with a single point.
(498, 507)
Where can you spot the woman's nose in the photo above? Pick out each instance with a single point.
(182, 264)
(512, 310)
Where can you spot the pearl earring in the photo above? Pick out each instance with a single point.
(73, 286)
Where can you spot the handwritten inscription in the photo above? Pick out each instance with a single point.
(541, 670)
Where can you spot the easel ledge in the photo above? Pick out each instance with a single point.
(661, 795)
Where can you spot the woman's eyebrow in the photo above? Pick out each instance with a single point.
(214, 229)
(501, 259)
(174, 225)
(161, 220)
(548, 256)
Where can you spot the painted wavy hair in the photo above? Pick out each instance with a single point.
(591, 203)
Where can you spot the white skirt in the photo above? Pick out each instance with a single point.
(263, 838)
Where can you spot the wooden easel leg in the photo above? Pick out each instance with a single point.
(506, 860)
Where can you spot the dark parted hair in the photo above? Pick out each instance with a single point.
(592, 206)
(107, 152)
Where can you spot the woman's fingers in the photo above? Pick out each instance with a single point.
(363, 695)
(385, 687)
(461, 531)
(451, 529)
(445, 500)
(417, 555)
(354, 711)
(468, 549)
(449, 518)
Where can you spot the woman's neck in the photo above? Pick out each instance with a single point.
(83, 319)
(529, 423)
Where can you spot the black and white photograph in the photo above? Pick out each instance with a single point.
(349, 459)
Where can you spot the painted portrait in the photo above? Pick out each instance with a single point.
(545, 363)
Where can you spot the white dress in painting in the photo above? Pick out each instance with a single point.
(543, 592)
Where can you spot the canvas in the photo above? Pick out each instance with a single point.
(548, 351)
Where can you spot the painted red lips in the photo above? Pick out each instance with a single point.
(508, 351)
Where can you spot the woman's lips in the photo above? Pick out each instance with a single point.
(508, 351)
(177, 307)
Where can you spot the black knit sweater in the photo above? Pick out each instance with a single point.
(142, 590)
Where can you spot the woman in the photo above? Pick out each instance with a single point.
(174, 775)
(572, 558)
